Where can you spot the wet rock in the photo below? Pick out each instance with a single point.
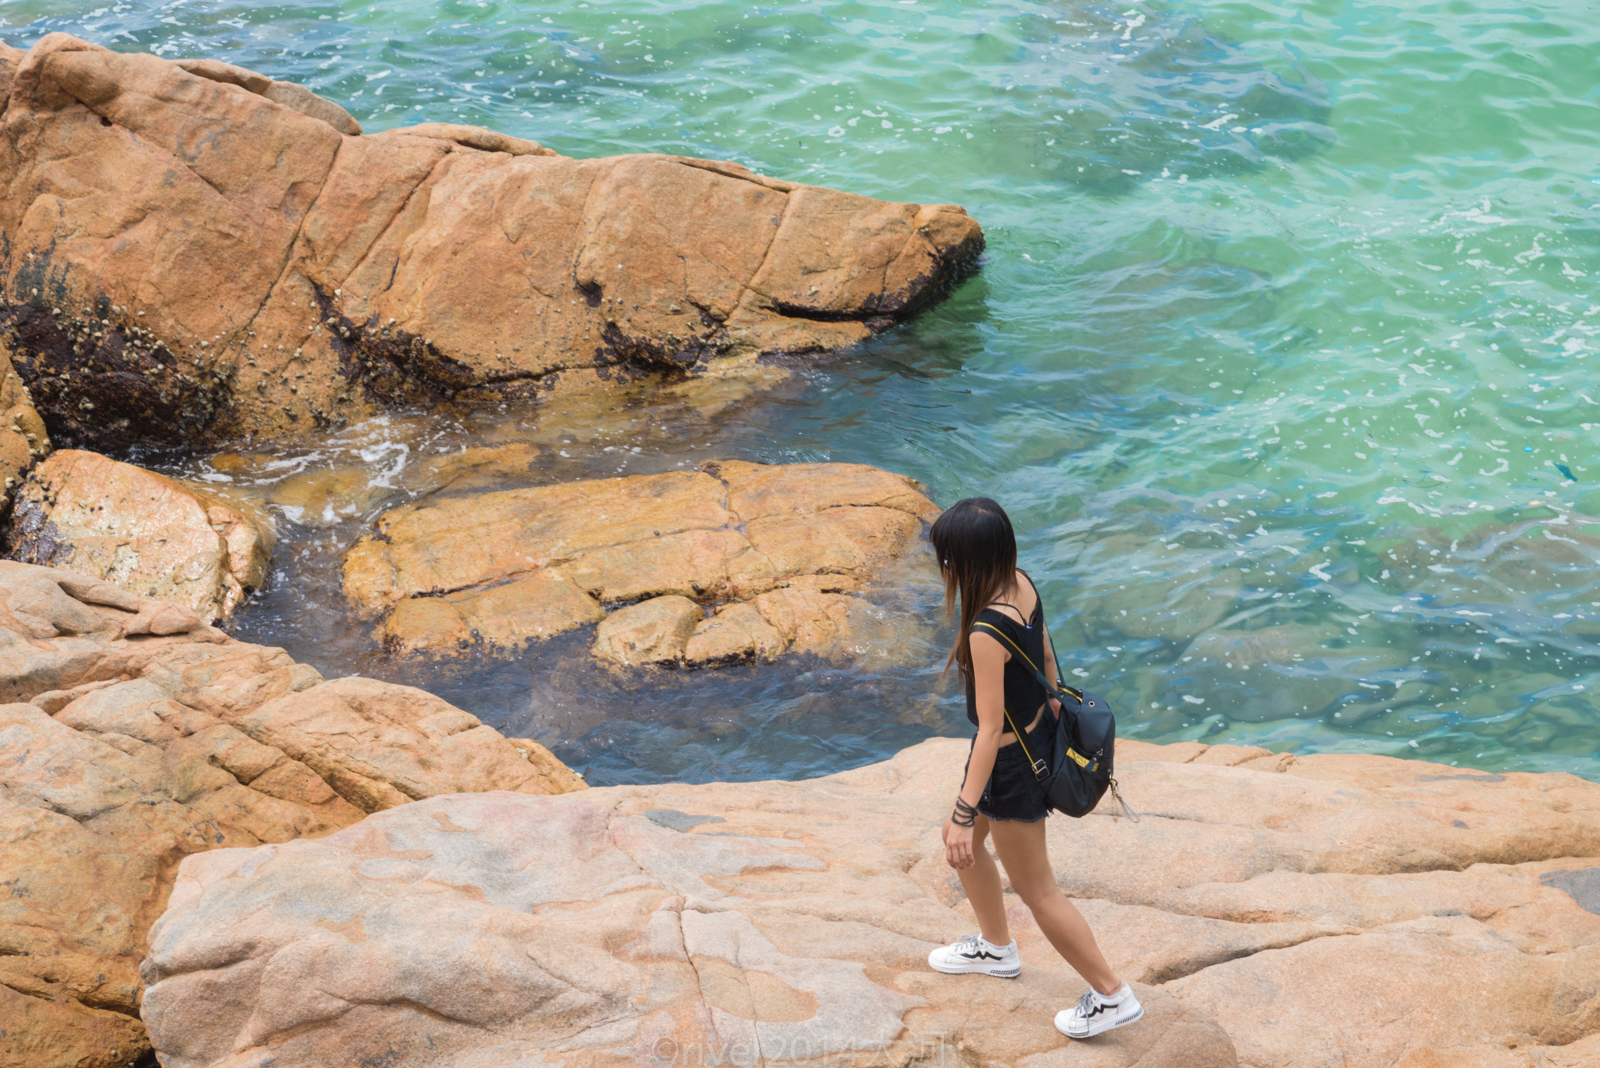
(23, 438)
(793, 537)
(500, 618)
(321, 499)
(1251, 909)
(651, 632)
(133, 734)
(737, 633)
(811, 621)
(294, 276)
(86, 513)
(481, 467)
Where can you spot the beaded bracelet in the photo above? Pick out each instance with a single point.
(964, 815)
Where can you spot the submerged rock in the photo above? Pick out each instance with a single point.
(1258, 913)
(133, 734)
(223, 257)
(150, 534)
(501, 567)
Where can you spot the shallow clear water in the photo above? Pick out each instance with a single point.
(1288, 325)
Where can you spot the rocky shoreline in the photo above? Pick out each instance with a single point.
(1272, 911)
(449, 898)
(196, 253)
(208, 847)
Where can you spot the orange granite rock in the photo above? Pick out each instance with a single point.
(1259, 915)
(197, 251)
(444, 574)
(133, 734)
(153, 535)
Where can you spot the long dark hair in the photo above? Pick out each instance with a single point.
(977, 552)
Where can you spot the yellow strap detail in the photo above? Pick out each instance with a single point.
(1081, 761)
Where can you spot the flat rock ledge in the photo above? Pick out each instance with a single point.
(1271, 911)
(133, 734)
(190, 251)
(729, 563)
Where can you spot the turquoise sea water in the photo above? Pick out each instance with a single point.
(1283, 356)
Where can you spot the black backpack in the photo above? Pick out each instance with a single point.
(1086, 737)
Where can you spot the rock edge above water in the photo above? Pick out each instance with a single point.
(777, 549)
(1349, 910)
(193, 251)
(133, 734)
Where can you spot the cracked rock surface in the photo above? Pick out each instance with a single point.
(732, 562)
(131, 735)
(1271, 911)
(193, 251)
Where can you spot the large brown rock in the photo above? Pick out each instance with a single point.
(196, 251)
(152, 535)
(1363, 912)
(501, 567)
(131, 735)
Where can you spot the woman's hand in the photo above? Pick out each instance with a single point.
(957, 845)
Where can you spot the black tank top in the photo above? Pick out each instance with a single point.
(1024, 694)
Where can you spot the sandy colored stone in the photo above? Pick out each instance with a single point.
(288, 94)
(294, 275)
(811, 622)
(457, 542)
(495, 930)
(561, 778)
(82, 512)
(650, 632)
(736, 634)
(1252, 909)
(503, 617)
(761, 491)
(133, 734)
(1232, 755)
(820, 529)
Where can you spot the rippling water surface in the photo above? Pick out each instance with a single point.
(1283, 356)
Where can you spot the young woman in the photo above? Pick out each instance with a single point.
(1000, 796)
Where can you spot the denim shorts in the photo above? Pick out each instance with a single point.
(1013, 792)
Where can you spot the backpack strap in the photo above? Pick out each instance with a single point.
(1077, 695)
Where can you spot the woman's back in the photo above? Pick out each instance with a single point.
(1024, 693)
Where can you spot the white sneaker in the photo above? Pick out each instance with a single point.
(976, 954)
(1097, 1012)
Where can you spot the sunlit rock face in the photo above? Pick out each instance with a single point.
(732, 562)
(1301, 912)
(150, 534)
(192, 251)
(133, 734)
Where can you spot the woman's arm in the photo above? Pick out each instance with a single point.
(988, 674)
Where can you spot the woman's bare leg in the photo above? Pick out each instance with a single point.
(1024, 853)
(982, 884)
